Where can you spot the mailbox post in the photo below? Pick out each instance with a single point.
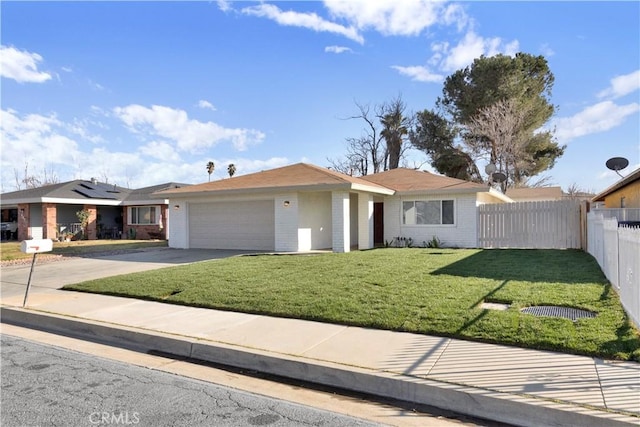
(34, 246)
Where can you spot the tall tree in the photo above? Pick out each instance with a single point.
(231, 170)
(366, 153)
(210, 168)
(516, 92)
(436, 136)
(382, 143)
(395, 128)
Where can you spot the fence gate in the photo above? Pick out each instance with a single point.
(543, 225)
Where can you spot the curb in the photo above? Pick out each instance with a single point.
(479, 403)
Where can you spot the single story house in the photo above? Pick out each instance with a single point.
(303, 207)
(621, 200)
(623, 194)
(114, 212)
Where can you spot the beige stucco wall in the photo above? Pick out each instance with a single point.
(631, 194)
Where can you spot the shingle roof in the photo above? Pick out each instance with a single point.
(77, 189)
(146, 192)
(409, 180)
(299, 175)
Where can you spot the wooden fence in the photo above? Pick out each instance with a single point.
(617, 250)
(540, 225)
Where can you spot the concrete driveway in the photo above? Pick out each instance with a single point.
(56, 274)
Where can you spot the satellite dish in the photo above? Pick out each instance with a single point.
(490, 168)
(617, 164)
(499, 177)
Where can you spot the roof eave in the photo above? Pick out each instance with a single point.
(371, 189)
(249, 191)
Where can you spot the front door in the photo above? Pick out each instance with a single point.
(378, 224)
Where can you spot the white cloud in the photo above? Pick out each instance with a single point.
(36, 140)
(41, 141)
(337, 49)
(188, 134)
(246, 166)
(21, 66)
(224, 5)
(472, 46)
(206, 105)
(160, 150)
(81, 127)
(398, 18)
(596, 118)
(304, 20)
(455, 14)
(419, 73)
(546, 50)
(622, 85)
(446, 58)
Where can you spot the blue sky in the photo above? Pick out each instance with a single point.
(141, 93)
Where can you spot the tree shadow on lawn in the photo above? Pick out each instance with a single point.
(530, 265)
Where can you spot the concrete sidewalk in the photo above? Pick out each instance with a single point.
(507, 384)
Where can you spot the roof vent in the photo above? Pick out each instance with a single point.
(94, 181)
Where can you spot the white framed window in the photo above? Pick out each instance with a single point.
(144, 215)
(428, 212)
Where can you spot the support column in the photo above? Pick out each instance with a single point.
(365, 221)
(340, 221)
(49, 221)
(92, 226)
(24, 221)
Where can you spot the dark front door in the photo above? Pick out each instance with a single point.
(378, 224)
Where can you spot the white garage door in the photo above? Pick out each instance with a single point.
(232, 225)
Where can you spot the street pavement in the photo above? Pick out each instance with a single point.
(506, 384)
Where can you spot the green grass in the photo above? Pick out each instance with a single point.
(428, 291)
(10, 251)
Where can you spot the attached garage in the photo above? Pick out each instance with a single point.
(232, 225)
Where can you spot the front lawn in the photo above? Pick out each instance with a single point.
(428, 291)
(10, 251)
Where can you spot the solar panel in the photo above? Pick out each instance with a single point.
(94, 192)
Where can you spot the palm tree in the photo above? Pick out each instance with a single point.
(395, 128)
(231, 169)
(210, 168)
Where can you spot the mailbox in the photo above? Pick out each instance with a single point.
(36, 246)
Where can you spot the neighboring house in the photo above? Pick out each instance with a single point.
(114, 212)
(621, 200)
(623, 194)
(535, 194)
(303, 207)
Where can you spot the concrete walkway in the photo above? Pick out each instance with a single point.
(507, 384)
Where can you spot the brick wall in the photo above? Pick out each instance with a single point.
(24, 220)
(49, 221)
(92, 226)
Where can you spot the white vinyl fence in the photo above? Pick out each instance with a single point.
(617, 250)
(542, 225)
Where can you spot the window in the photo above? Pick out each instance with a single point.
(143, 215)
(430, 212)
